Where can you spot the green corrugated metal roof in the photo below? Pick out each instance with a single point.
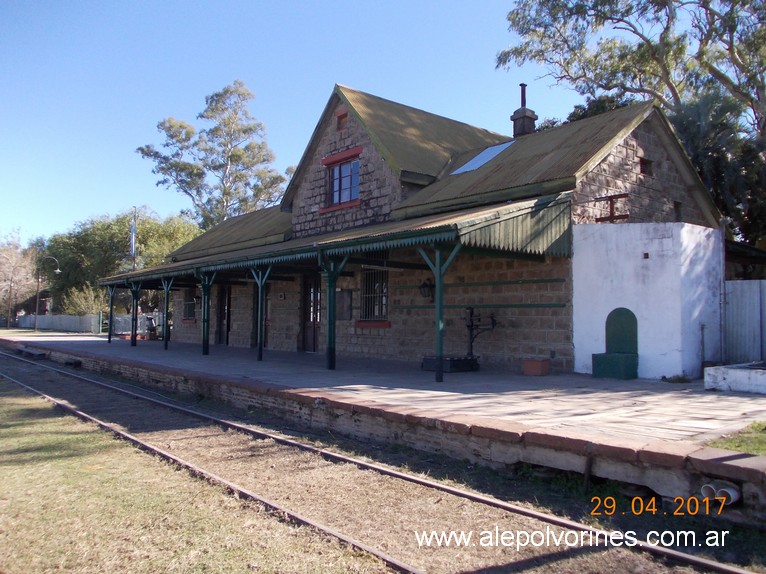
(414, 140)
(536, 164)
(260, 227)
(537, 226)
(416, 144)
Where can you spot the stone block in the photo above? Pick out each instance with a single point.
(666, 453)
(573, 442)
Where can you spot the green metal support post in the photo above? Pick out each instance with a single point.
(111, 289)
(331, 269)
(206, 282)
(439, 268)
(166, 285)
(260, 276)
(135, 291)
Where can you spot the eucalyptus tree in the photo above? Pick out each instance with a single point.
(669, 50)
(728, 160)
(225, 168)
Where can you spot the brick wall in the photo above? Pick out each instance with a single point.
(659, 197)
(284, 315)
(185, 330)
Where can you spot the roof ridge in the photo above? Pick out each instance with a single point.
(343, 87)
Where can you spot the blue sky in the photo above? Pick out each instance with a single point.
(84, 83)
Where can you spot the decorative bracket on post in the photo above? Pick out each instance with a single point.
(260, 276)
(205, 284)
(439, 269)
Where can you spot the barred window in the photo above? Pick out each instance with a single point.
(375, 291)
(190, 303)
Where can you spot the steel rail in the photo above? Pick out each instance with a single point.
(644, 545)
(276, 509)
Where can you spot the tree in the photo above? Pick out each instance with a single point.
(18, 278)
(84, 301)
(100, 247)
(667, 50)
(223, 169)
(728, 162)
(591, 107)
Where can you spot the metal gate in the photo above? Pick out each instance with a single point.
(745, 339)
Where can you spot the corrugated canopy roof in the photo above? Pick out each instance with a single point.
(537, 226)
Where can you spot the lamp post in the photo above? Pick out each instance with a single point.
(39, 280)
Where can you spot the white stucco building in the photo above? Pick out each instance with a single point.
(668, 274)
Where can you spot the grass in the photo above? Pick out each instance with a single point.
(751, 439)
(75, 500)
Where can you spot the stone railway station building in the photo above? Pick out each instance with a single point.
(399, 227)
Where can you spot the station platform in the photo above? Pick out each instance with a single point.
(642, 409)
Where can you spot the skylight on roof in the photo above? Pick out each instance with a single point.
(483, 157)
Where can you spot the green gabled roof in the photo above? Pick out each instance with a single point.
(412, 140)
(262, 227)
(535, 164)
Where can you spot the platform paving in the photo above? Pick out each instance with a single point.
(643, 409)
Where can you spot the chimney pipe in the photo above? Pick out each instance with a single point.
(523, 119)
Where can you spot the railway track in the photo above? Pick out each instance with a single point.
(368, 506)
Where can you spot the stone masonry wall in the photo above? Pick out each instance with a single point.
(659, 197)
(185, 330)
(531, 301)
(379, 187)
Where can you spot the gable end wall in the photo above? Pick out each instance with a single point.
(379, 188)
(652, 197)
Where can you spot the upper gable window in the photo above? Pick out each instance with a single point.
(341, 121)
(645, 166)
(343, 176)
(344, 182)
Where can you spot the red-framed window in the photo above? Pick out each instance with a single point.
(343, 176)
(344, 182)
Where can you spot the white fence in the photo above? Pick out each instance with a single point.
(67, 323)
(745, 338)
(89, 323)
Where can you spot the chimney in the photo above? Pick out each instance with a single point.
(523, 119)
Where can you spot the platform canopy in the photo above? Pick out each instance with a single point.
(534, 227)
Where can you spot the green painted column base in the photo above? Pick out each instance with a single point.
(615, 366)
